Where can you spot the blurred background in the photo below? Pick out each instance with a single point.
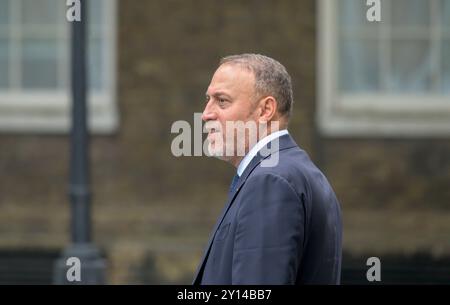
(372, 108)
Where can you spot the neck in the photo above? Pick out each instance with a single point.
(236, 160)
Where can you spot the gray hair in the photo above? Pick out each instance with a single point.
(271, 78)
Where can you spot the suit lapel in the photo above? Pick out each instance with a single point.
(285, 142)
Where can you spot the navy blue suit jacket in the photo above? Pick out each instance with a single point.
(281, 225)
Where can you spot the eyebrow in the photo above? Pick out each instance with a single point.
(218, 93)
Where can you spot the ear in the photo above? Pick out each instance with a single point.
(267, 108)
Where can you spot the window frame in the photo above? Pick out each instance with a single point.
(385, 115)
(49, 111)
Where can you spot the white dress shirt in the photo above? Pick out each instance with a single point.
(248, 157)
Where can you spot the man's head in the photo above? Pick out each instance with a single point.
(247, 88)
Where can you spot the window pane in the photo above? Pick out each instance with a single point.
(445, 10)
(352, 12)
(410, 66)
(96, 49)
(410, 12)
(4, 12)
(39, 63)
(446, 66)
(42, 12)
(4, 60)
(95, 66)
(359, 65)
(95, 13)
(352, 20)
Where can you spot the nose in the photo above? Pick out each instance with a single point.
(209, 113)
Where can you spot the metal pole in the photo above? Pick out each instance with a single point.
(92, 267)
(79, 191)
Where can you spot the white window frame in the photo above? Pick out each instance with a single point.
(385, 115)
(49, 111)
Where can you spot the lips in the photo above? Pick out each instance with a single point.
(212, 127)
(213, 131)
(212, 135)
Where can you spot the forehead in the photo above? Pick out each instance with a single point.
(233, 79)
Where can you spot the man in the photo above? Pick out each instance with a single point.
(282, 222)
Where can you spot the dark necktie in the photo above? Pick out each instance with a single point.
(234, 183)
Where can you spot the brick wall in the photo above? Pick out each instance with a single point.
(152, 211)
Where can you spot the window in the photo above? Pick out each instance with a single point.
(35, 66)
(387, 78)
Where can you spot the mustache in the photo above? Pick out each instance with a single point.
(212, 126)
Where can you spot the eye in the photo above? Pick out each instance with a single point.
(207, 98)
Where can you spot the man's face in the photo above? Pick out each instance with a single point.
(230, 97)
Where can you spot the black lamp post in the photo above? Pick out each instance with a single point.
(92, 266)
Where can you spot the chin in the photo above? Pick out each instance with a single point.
(214, 152)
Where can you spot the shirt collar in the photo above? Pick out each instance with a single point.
(246, 161)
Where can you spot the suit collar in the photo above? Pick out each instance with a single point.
(257, 147)
(278, 144)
